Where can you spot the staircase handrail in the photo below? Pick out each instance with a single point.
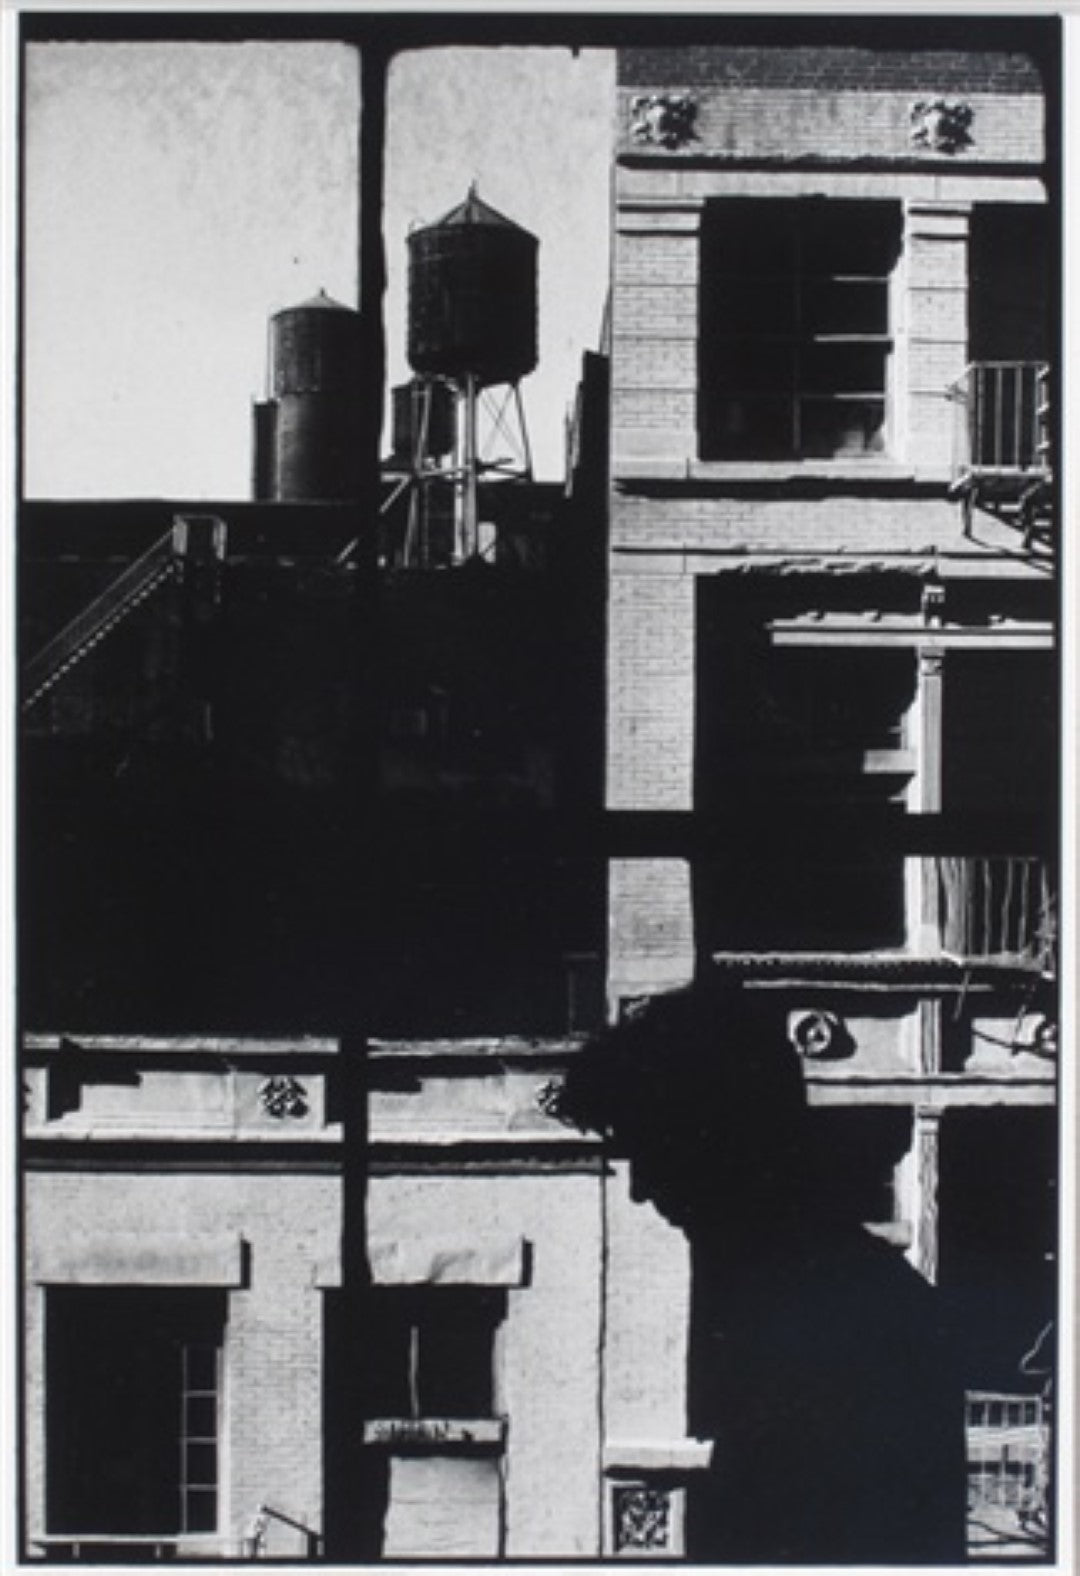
(130, 588)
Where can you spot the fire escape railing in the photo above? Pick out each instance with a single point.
(190, 541)
(89, 627)
(1001, 442)
(998, 907)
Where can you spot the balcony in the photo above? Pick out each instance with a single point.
(1001, 445)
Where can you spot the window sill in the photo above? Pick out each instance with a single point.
(768, 473)
(436, 1433)
(636, 1457)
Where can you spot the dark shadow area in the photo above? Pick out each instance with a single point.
(822, 1365)
(134, 1379)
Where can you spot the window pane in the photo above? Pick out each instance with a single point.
(754, 367)
(200, 1414)
(844, 237)
(750, 429)
(201, 1465)
(751, 237)
(845, 306)
(833, 427)
(200, 1510)
(759, 304)
(843, 368)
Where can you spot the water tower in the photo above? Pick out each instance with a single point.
(472, 337)
(306, 432)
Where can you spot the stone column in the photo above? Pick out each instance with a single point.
(936, 324)
(922, 1172)
(652, 650)
(654, 346)
(924, 899)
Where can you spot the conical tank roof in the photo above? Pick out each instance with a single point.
(318, 303)
(474, 211)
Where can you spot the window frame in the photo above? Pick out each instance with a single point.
(409, 1319)
(729, 375)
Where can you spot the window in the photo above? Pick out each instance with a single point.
(133, 1391)
(795, 327)
(200, 1384)
(432, 1351)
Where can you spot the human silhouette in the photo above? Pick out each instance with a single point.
(821, 1363)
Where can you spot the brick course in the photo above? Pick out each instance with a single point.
(829, 67)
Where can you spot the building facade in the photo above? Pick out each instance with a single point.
(831, 642)
(322, 889)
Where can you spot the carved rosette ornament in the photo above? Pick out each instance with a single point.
(820, 1036)
(549, 1098)
(642, 1518)
(942, 125)
(665, 120)
(283, 1097)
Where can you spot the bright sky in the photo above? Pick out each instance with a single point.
(177, 194)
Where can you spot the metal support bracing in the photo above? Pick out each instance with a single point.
(468, 527)
(491, 442)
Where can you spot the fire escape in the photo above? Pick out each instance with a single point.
(190, 541)
(1002, 450)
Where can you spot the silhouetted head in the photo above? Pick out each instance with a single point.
(702, 1091)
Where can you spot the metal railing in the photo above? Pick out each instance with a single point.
(254, 1542)
(1008, 1461)
(131, 588)
(1002, 424)
(1000, 907)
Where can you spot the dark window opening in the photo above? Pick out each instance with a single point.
(133, 1385)
(805, 725)
(795, 327)
(759, 900)
(432, 1351)
(997, 1217)
(1000, 720)
(1009, 304)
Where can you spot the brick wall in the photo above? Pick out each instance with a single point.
(272, 1442)
(651, 633)
(845, 128)
(648, 1320)
(651, 939)
(548, 1380)
(754, 520)
(830, 66)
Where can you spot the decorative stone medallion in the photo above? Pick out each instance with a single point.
(664, 119)
(819, 1036)
(942, 125)
(549, 1098)
(642, 1517)
(283, 1097)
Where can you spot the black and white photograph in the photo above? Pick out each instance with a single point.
(538, 790)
